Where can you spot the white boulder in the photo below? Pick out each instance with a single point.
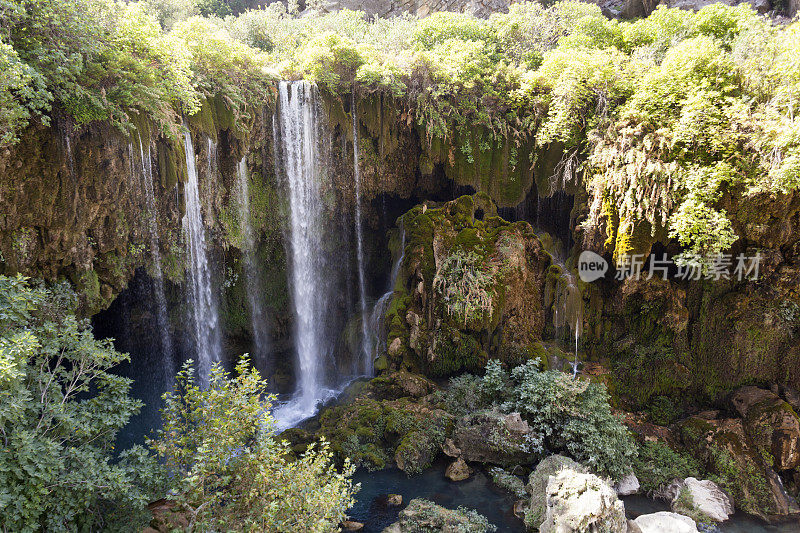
(666, 522)
(579, 502)
(703, 499)
(627, 485)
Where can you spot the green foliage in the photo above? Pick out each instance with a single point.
(663, 117)
(229, 471)
(169, 12)
(657, 465)
(663, 411)
(22, 94)
(570, 416)
(573, 416)
(465, 286)
(60, 411)
(464, 395)
(423, 516)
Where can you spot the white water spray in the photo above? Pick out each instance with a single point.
(158, 276)
(205, 317)
(366, 359)
(255, 292)
(297, 120)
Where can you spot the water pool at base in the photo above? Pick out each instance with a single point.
(479, 493)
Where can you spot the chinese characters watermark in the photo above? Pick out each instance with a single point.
(740, 267)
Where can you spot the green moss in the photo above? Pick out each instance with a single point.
(171, 163)
(457, 353)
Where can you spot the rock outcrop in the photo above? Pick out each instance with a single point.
(627, 485)
(470, 287)
(537, 486)
(726, 451)
(772, 424)
(492, 437)
(458, 470)
(578, 502)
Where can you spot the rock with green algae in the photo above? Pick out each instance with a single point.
(508, 482)
(470, 288)
(489, 436)
(702, 500)
(771, 423)
(423, 515)
(737, 466)
(386, 420)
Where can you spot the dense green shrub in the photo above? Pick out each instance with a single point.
(657, 465)
(571, 416)
(463, 395)
(60, 411)
(230, 472)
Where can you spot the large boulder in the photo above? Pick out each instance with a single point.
(725, 449)
(665, 522)
(579, 502)
(537, 486)
(399, 385)
(492, 437)
(423, 515)
(703, 500)
(771, 423)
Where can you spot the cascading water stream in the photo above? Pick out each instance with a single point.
(563, 294)
(258, 317)
(205, 317)
(375, 334)
(297, 128)
(366, 359)
(158, 276)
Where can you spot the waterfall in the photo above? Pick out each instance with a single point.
(366, 355)
(297, 128)
(375, 335)
(254, 287)
(155, 252)
(565, 296)
(201, 298)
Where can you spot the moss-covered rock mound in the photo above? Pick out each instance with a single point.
(470, 288)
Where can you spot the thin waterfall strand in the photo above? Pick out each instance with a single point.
(376, 327)
(366, 352)
(205, 318)
(255, 292)
(158, 276)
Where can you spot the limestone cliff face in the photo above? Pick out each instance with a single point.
(73, 207)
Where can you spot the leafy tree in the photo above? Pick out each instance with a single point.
(22, 94)
(229, 470)
(60, 410)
